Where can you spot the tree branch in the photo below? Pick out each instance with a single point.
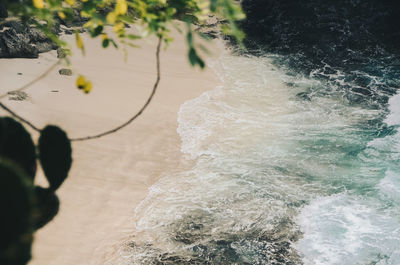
(34, 80)
(90, 137)
(15, 115)
(155, 86)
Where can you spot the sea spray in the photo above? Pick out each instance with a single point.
(287, 171)
(296, 153)
(349, 229)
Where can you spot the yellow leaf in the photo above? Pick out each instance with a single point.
(111, 17)
(117, 27)
(104, 36)
(80, 82)
(121, 7)
(61, 15)
(79, 41)
(203, 4)
(70, 2)
(88, 87)
(85, 14)
(38, 3)
(88, 24)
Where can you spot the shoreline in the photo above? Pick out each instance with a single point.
(109, 176)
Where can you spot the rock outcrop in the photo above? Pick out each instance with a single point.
(22, 41)
(210, 27)
(18, 40)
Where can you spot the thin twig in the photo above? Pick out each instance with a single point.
(15, 115)
(155, 86)
(34, 80)
(12, 113)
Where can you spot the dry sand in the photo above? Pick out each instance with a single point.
(111, 175)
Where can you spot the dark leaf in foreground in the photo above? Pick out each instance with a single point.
(16, 208)
(16, 144)
(55, 155)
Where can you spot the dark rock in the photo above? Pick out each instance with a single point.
(44, 47)
(210, 32)
(41, 41)
(18, 26)
(304, 96)
(66, 30)
(19, 40)
(18, 95)
(61, 53)
(36, 35)
(65, 71)
(395, 62)
(77, 20)
(340, 43)
(211, 27)
(16, 45)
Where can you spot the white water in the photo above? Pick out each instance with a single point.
(351, 229)
(278, 178)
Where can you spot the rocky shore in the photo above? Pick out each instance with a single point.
(19, 40)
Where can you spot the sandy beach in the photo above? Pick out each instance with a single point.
(110, 176)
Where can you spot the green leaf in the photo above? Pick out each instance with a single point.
(113, 43)
(97, 31)
(105, 43)
(192, 56)
(88, 6)
(189, 35)
(200, 62)
(189, 38)
(133, 37)
(194, 59)
(213, 5)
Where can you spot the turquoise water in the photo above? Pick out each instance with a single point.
(287, 170)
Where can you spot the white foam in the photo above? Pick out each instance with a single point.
(247, 96)
(344, 229)
(260, 153)
(394, 106)
(390, 186)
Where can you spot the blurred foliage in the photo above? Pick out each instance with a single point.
(25, 207)
(16, 206)
(150, 17)
(16, 144)
(55, 155)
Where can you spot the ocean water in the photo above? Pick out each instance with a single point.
(288, 169)
(296, 154)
